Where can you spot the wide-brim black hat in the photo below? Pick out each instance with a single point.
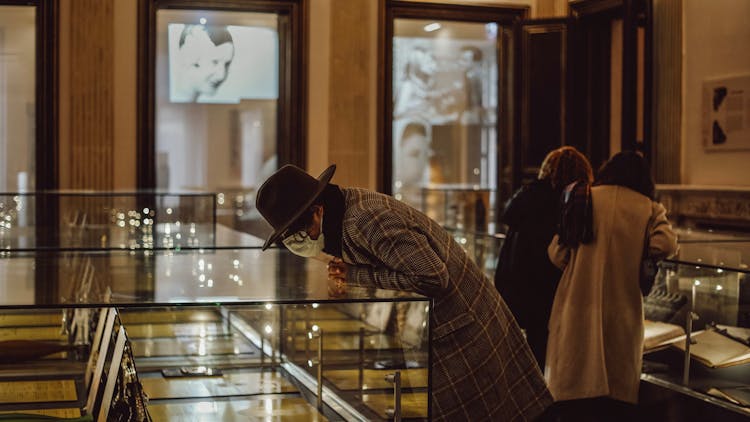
(286, 195)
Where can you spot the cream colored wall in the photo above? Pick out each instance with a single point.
(716, 43)
(85, 160)
(319, 54)
(125, 89)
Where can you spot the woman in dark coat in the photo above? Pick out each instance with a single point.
(525, 277)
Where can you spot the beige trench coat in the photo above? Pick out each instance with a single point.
(596, 324)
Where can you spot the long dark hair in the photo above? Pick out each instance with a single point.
(628, 169)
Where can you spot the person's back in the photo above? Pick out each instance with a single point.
(525, 277)
(482, 367)
(600, 286)
(596, 326)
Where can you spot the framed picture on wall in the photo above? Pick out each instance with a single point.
(726, 114)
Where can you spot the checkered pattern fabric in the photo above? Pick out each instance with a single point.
(482, 367)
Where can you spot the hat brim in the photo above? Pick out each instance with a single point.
(323, 180)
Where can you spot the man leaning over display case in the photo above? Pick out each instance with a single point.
(482, 367)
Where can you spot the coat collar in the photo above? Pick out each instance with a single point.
(333, 203)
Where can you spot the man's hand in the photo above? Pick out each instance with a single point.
(336, 278)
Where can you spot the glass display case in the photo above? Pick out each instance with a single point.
(483, 248)
(467, 208)
(216, 333)
(89, 219)
(220, 332)
(697, 339)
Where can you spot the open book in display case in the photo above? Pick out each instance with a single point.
(697, 343)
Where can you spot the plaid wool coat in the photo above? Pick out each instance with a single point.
(482, 368)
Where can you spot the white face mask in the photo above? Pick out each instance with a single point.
(303, 245)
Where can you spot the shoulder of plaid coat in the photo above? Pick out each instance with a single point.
(482, 367)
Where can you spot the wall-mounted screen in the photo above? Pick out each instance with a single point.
(222, 64)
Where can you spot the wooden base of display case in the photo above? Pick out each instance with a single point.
(71, 412)
(374, 379)
(317, 314)
(32, 333)
(38, 391)
(197, 329)
(191, 346)
(349, 342)
(287, 409)
(413, 405)
(230, 384)
(130, 317)
(31, 319)
(330, 326)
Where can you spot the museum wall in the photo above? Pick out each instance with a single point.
(342, 89)
(715, 45)
(97, 94)
(342, 121)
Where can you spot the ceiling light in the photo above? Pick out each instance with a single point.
(431, 27)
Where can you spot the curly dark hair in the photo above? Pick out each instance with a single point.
(628, 169)
(564, 166)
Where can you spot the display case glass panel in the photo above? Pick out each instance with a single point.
(107, 220)
(484, 248)
(460, 208)
(222, 333)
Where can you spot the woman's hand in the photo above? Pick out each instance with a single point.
(336, 278)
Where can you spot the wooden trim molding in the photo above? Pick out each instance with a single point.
(667, 91)
(583, 8)
(529, 80)
(47, 101)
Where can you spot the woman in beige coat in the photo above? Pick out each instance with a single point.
(596, 325)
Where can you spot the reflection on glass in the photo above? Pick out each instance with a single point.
(217, 84)
(444, 107)
(17, 130)
(17, 97)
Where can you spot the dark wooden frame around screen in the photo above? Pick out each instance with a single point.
(508, 117)
(292, 103)
(634, 14)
